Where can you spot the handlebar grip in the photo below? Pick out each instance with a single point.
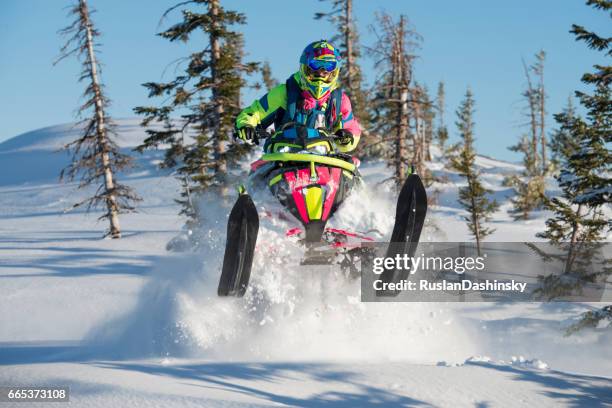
(256, 137)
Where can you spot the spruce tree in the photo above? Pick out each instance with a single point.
(429, 115)
(473, 197)
(538, 70)
(268, 80)
(206, 95)
(418, 148)
(562, 144)
(530, 185)
(579, 223)
(394, 53)
(531, 98)
(441, 131)
(96, 158)
(423, 115)
(529, 190)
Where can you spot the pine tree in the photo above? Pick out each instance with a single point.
(268, 80)
(418, 148)
(351, 78)
(393, 107)
(441, 131)
(538, 70)
(206, 94)
(473, 198)
(562, 144)
(529, 190)
(423, 116)
(96, 157)
(530, 185)
(429, 115)
(579, 223)
(531, 97)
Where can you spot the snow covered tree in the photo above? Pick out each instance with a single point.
(268, 80)
(441, 135)
(206, 95)
(393, 100)
(582, 180)
(591, 319)
(96, 158)
(529, 191)
(579, 223)
(341, 16)
(473, 197)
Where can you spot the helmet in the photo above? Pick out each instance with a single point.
(319, 68)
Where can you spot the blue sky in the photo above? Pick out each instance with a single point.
(466, 43)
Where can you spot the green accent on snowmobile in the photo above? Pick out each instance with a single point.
(347, 174)
(300, 157)
(275, 179)
(241, 189)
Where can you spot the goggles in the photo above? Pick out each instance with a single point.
(320, 73)
(322, 65)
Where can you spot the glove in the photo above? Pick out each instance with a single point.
(344, 137)
(246, 133)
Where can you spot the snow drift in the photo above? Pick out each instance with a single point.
(290, 312)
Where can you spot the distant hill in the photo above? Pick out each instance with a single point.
(36, 156)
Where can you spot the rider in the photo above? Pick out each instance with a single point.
(311, 97)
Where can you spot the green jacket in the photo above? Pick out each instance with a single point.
(271, 107)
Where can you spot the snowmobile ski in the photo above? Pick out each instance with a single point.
(409, 219)
(242, 228)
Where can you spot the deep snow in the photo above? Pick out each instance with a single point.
(125, 322)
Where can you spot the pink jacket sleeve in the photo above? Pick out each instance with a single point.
(349, 122)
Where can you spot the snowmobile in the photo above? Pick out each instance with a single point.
(305, 172)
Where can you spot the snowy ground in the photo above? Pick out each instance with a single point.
(126, 323)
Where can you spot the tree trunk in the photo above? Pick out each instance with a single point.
(402, 136)
(111, 200)
(403, 119)
(418, 140)
(428, 135)
(348, 39)
(534, 137)
(215, 46)
(475, 218)
(532, 121)
(570, 252)
(542, 119)
(440, 109)
(441, 98)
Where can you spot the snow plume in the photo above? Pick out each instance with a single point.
(290, 312)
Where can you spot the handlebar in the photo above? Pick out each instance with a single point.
(323, 131)
(261, 133)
